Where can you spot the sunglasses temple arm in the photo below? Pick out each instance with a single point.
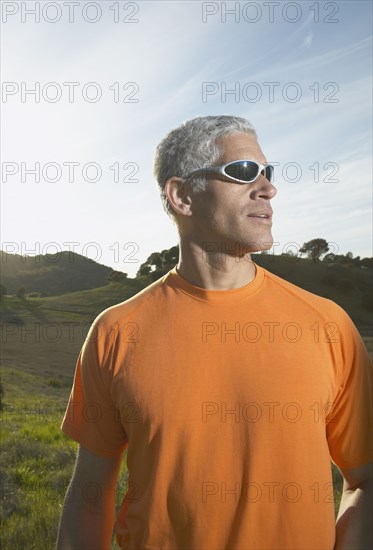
(203, 172)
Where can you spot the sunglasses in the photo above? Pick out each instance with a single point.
(238, 171)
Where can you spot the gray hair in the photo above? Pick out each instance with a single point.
(194, 144)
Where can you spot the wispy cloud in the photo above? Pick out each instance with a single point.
(308, 40)
(170, 53)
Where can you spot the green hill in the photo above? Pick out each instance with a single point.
(346, 284)
(51, 274)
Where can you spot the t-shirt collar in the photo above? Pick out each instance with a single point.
(230, 296)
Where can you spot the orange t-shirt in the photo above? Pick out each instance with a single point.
(231, 403)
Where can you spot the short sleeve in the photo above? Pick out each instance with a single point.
(349, 424)
(91, 416)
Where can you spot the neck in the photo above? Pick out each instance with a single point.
(215, 267)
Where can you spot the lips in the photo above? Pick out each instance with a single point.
(263, 214)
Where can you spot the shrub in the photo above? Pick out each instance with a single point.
(116, 277)
(290, 256)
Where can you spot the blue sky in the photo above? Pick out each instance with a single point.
(173, 54)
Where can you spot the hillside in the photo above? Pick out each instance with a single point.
(51, 274)
(349, 286)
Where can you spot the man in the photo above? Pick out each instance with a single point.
(231, 387)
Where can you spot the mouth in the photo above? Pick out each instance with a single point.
(262, 218)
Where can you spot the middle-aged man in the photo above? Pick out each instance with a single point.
(231, 387)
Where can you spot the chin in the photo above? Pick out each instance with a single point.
(257, 246)
(266, 245)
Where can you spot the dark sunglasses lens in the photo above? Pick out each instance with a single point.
(244, 171)
(268, 173)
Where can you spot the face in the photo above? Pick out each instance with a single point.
(221, 213)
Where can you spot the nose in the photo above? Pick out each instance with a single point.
(263, 188)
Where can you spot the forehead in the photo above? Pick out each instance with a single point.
(241, 146)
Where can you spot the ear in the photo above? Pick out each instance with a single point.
(179, 195)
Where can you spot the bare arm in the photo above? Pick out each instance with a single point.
(88, 513)
(354, 522)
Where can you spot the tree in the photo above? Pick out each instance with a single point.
(159, 263)
(155, 260)
(314, 249)
(144, 270)
(329, 257)
(367, 262)
(171, 256)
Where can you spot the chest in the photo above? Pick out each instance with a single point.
(223, 369)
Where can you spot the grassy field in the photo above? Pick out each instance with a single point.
(37, 459)
(37, 366)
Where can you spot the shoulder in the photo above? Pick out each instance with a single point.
(287, 291)
(127, 310)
